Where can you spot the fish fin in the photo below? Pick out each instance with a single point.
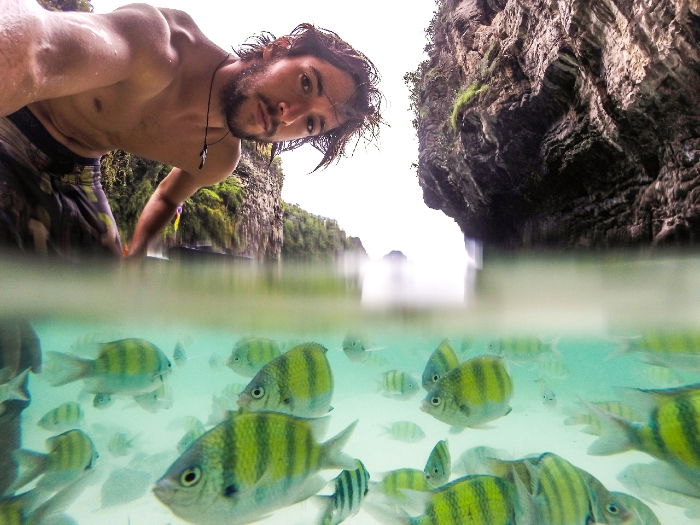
(29, 465)
(614, 433)
(319, 426)
(61, 500)
(309, 488)
(61, 369)
(15, 386)
(334, 456)
(388, 514)
(481, 460)
(524, 502)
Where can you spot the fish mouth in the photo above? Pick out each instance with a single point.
(164, 491)
(425, 406)
(244, 399)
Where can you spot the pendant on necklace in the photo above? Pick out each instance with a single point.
(203, 156)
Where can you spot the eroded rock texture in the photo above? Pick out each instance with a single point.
(259, 232)
(583, 126)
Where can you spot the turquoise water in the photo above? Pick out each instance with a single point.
(584, 307)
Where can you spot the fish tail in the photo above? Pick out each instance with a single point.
(334, 455)
(15, 387)
(63, 368)
(614, 433)
(29, 466)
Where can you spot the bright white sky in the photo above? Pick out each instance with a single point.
(373, 195)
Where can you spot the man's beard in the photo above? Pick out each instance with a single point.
(236, 92)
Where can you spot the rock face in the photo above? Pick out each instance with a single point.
(563, 123)
(259, 232)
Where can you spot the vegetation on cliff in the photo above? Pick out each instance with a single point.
(312, 238)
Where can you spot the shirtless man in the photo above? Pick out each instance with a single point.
(146, 80)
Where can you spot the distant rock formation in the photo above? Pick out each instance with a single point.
(568, 123)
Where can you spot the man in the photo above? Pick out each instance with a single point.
(146, 80)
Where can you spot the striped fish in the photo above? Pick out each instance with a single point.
(64, 416)
(69, 455)
(248, 465)
(439, 465)
(398, 384)
(406, 431)
(560, 493)
(521, 349)
(126, 366)
(442, 360)
(669, 432)
(673, 348)
(394, 482)
(32, 508)
(298, 382)
(593, 426)
(351, 487)
(477, 391)
(477, 500)
(250, 354)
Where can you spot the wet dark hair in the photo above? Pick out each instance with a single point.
(362, 111)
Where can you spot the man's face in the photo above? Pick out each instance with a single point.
(287, 99)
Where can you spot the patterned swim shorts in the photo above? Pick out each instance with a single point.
(51, 200)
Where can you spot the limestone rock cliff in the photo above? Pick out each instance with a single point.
(563, 123)
(259, 232)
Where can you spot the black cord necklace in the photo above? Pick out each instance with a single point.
(203, 153)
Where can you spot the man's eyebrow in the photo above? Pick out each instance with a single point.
(319, 83)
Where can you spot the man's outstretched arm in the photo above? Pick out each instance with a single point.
(45, 54)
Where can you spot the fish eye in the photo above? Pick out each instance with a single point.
(435, 378)
(613, 509)
(190, 476)
(435, 401)
(257, 392)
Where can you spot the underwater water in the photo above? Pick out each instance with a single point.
(583, 311)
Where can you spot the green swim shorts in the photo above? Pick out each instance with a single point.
(51, 200)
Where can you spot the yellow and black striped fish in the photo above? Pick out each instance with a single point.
(477, 391)
(250, 354)
(442, 360)
(519, 349)
(439, 465)
(674, 348)
(477, 500)
(69, 456)
(669, 432)
(248, 465)
(394, 482)
(298, 382)
(126, 366)
(406, 431)
(593, 426)
(64, 416)
(351, 487)
(398, 384)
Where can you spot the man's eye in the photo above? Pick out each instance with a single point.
(305, 83)
(310, 125)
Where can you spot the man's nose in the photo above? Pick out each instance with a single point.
(289, 112)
